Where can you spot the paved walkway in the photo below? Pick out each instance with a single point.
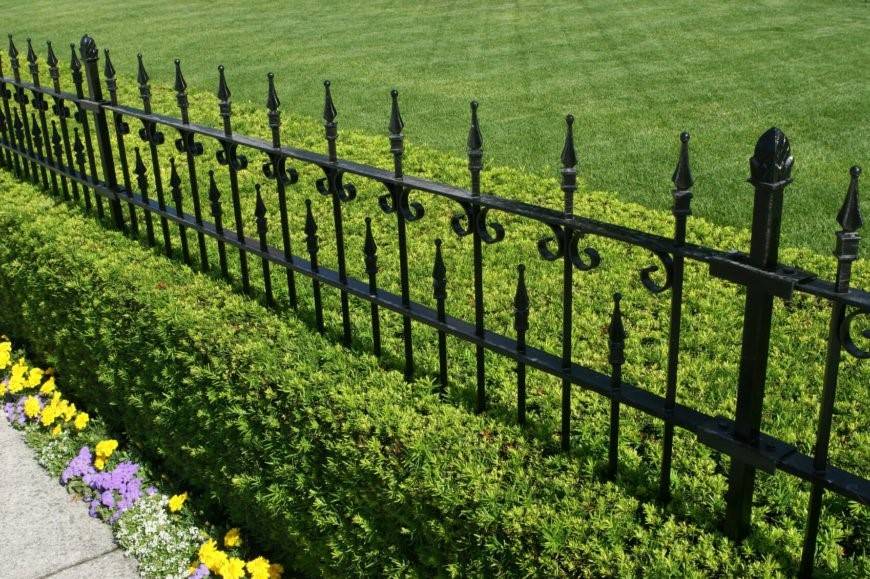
(45, 532)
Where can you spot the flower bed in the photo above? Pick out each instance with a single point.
(161, 532)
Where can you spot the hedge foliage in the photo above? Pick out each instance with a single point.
(342, 468)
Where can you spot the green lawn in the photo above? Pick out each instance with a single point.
(635, 74)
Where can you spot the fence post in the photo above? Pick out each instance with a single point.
(90, 56)
(770, 172)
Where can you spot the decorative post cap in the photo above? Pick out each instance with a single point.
(849, 216)
(569, 154)
(772, 162)
(88, 48)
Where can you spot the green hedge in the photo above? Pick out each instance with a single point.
(335, 465)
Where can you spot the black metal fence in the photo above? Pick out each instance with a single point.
(63, 160)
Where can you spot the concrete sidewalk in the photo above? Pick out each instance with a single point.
(45, 532)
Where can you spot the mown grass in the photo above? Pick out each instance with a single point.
(711, 332)
(634, 74)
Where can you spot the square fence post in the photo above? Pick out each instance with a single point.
(90, 56)
(770, 172)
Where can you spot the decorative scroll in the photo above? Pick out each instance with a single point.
(229, 156)
(277, 169)
(334, 181)
(575, 254)
(397, 200)
(187, 143)
(846, 336)
(646, 273)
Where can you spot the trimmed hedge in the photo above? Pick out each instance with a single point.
(339, 467)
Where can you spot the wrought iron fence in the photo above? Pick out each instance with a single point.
(63, 160)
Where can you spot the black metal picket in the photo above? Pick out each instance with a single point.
(29, 152)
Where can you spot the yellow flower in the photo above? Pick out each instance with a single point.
(276, 570)
(31, 407)
(34, 377)
(104, 450)
(48, 387)
(233, 538)
(176, 502)
(16, 377)
(69, 412)
(99, 463)
(258, 568)
(56, 431)
(5, 354)
(232, 568)
(211, 556)
(81, 420)
(49, 414)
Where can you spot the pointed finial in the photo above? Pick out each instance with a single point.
(772, 162)
(439, 274)
(180, 84)
(223, 92)
(213, 194)
(475, 138)
(369, 246)
(74, 62)
(521, 297)
(569, 155)
(616, 333)
(396, 122)
(13, 52)
(88, 48)
(51, 59)
(329, 112)
(310, 225)
(174, 179)
(31, 54)
(108, 68)
(139, 167)
(849, 216)
(142, 75)
(682, 177)
(272, 101)
(260, 209)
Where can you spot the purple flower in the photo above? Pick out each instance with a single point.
(151, 491)
(200, 572)
(107, 499)
(80, 465)
(9, 409)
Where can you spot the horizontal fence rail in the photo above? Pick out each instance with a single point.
(57, 140)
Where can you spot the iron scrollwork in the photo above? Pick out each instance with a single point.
(397, 201)
(229, 156)
(572, 246)
(846, 336)
(276, 168)
(646, 273)
(334, 181)
(471, 219)
(188, 143)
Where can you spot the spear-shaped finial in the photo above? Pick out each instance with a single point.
(32, 62)
(329, 112)
(141, 73)
(849, 216)
(310, 230)
(260, 208)
(108, 67)
(53, 69)
(569, 164)
(223, 94)
(13, 59)
(139, 166)
(397, 139)
(521, 301)
(75, 66)
(180, 87)
(475, 150)
(370, 249)
(272, 104)
(682, 177)
(13, 52)
(214, 195)
(174, 179)
(144, 86)
(439, 274)
(616, 332)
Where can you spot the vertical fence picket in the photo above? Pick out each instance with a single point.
(311, 243)
(439, 292)
(57, 147)
(846, 252)
(682, 179)
(142, 184)
(370, 253)
(333, 185)
(260, 215)
(62, 112)
(121, 129)
(475, 165)
(214, 197)
(11, 158)
(277, 169)
(151, 135)
(616, 357)
(36, 134)
(569, 185)
(79, 150)
(39, 104)
(187, 144)
(24, 139)
(175, 188)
